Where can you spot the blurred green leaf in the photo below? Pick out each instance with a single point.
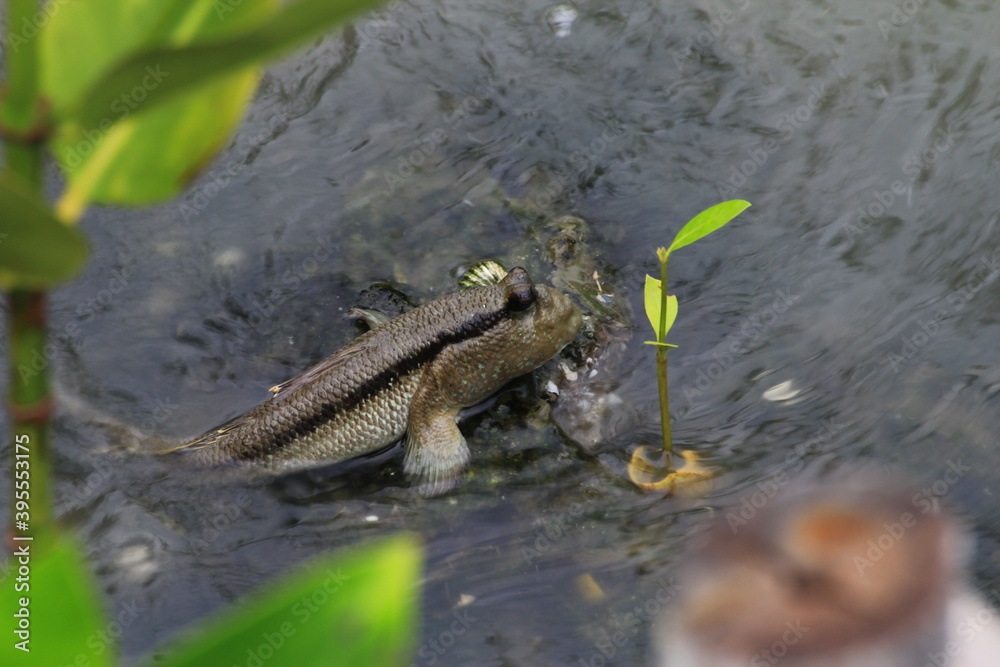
(193, 65)
(65, 619)
(148, 158)
(707, 222)
(75, 48)
(125, 157)
(36, 249)
(354, 610)
(653, 292)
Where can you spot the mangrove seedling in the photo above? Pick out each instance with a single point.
(661, 309)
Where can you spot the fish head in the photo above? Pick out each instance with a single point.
(541, 320)
(502, 331)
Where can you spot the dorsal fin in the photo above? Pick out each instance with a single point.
(373, 318)
(334, 360)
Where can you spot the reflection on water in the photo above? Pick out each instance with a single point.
(439, 132)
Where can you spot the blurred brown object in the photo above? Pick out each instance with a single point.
(863, 572)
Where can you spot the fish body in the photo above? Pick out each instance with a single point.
(410, 375)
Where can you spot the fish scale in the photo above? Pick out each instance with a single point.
(411, 375)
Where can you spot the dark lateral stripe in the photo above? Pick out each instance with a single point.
(476, 326)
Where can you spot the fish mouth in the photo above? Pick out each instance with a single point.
(558, 315)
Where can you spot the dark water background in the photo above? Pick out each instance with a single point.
(865, 276)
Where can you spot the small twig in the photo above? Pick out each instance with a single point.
(661, 364)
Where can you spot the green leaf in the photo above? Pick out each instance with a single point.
(652, 295)
(707, 222)
(127, 157)
(356, 610)
(64, 612)
(37, 251)
(85, 40)
(196, 64)
(149, 158)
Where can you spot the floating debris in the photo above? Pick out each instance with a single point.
(601, 295)
(782, 392)
(589, 588)
(691, 479)
(229, 259)
(561, 18)
(568, 373)
(137, 562)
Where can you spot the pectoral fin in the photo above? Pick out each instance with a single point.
(373, 318)
(435, 449)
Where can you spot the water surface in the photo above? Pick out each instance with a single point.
(862, 284)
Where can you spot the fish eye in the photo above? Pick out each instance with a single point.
(520, 297)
